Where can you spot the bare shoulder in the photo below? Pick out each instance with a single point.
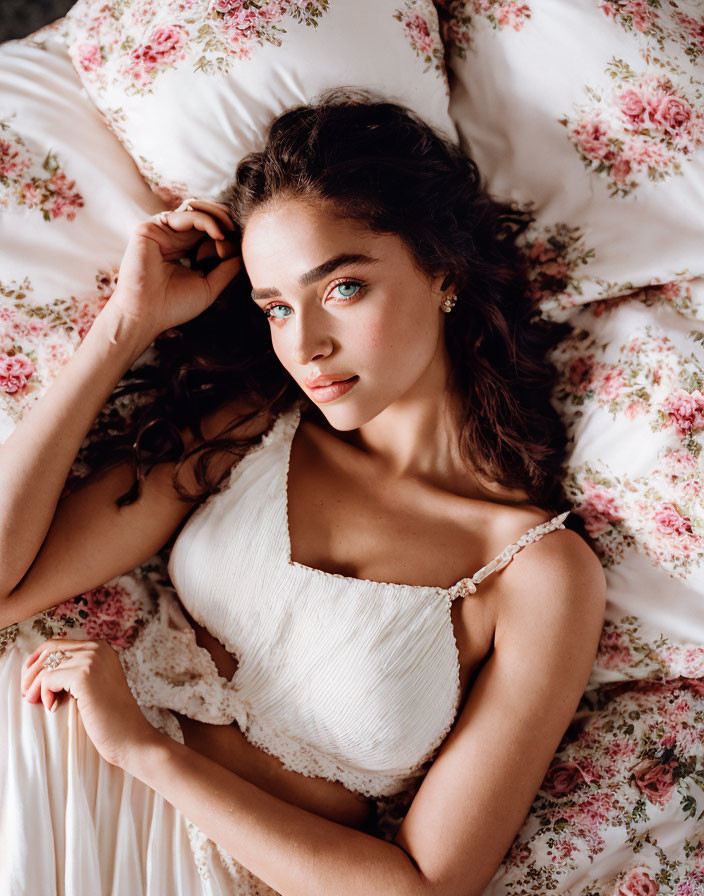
(557, 584)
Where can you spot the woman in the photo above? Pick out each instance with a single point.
(399, 439)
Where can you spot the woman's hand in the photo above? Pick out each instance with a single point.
(94, 676)
(154, 288)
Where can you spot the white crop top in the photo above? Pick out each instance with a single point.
(347, 679)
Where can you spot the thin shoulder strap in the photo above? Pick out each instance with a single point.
(469, 585)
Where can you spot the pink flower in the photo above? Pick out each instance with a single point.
(419, 33)
(163, 44)
(519, 853)
(592, 140)
(632, 105)
(613, 652)
(672, 113)
(106, 613)
(165, 38)
(694, 27)
(634, 408)
(513, 15)
(620, 170)
(646, 153)
(564, 777)
(599, 508)
(679, 464)
(601, 500)
(685, 410)
(89, 56)
(693, 662)
(638, 883)
(655, 779)
(612, 384)
(670, 521)
(15, 371)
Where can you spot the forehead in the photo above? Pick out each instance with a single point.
(290, 236)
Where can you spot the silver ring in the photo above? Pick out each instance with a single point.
(55, 659)
(162, 217)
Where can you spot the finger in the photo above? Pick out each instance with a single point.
(48, 696)
(220, 276)
(55, 644)
(227, 248)
(218, 209)
(35, 661)
(181, 221)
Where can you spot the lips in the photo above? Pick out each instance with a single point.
(317, 382)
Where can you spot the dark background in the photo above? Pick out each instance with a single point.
(18, 18)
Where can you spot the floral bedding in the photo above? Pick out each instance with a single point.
(617, 250)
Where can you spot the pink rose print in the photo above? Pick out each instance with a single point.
(513, 15)
(685, 410)
(15, 371)
(669, 520)
(672, 114)
(165, 45)
(592, 139)
(419, 34)
(638, 883)
(632, 105)
(679, 464)
(693, 662)
(105, 613)
(655, 780)
(694, 28)
(12, 165)
(564, 777)
(638, 129)
(612, 384)
(598, 509)
(89, 56)
(613, 651)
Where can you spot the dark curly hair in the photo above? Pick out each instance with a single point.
(378, 163)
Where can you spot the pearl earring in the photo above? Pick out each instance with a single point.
(449, 302)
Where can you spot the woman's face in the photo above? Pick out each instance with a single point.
(344, 304)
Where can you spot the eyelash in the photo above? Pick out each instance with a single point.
(342, 299)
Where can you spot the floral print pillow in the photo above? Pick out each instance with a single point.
(190, 87)
(69, 197)
(593, 113)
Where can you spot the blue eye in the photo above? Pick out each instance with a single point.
(348, 285)
(269, 312)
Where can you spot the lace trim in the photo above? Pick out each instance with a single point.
(469, 585)
(298, 757)
(166, 669)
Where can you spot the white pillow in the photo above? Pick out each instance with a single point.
(190, 90)
(593, 112)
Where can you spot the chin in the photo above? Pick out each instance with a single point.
(347, 417)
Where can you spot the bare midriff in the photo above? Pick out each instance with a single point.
(227, 745)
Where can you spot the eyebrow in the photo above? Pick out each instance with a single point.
(315, 274)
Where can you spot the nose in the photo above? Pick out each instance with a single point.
(312, 340)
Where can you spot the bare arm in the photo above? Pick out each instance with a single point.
(154, 293)
(36, 458)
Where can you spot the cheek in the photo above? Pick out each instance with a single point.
(403, 335)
